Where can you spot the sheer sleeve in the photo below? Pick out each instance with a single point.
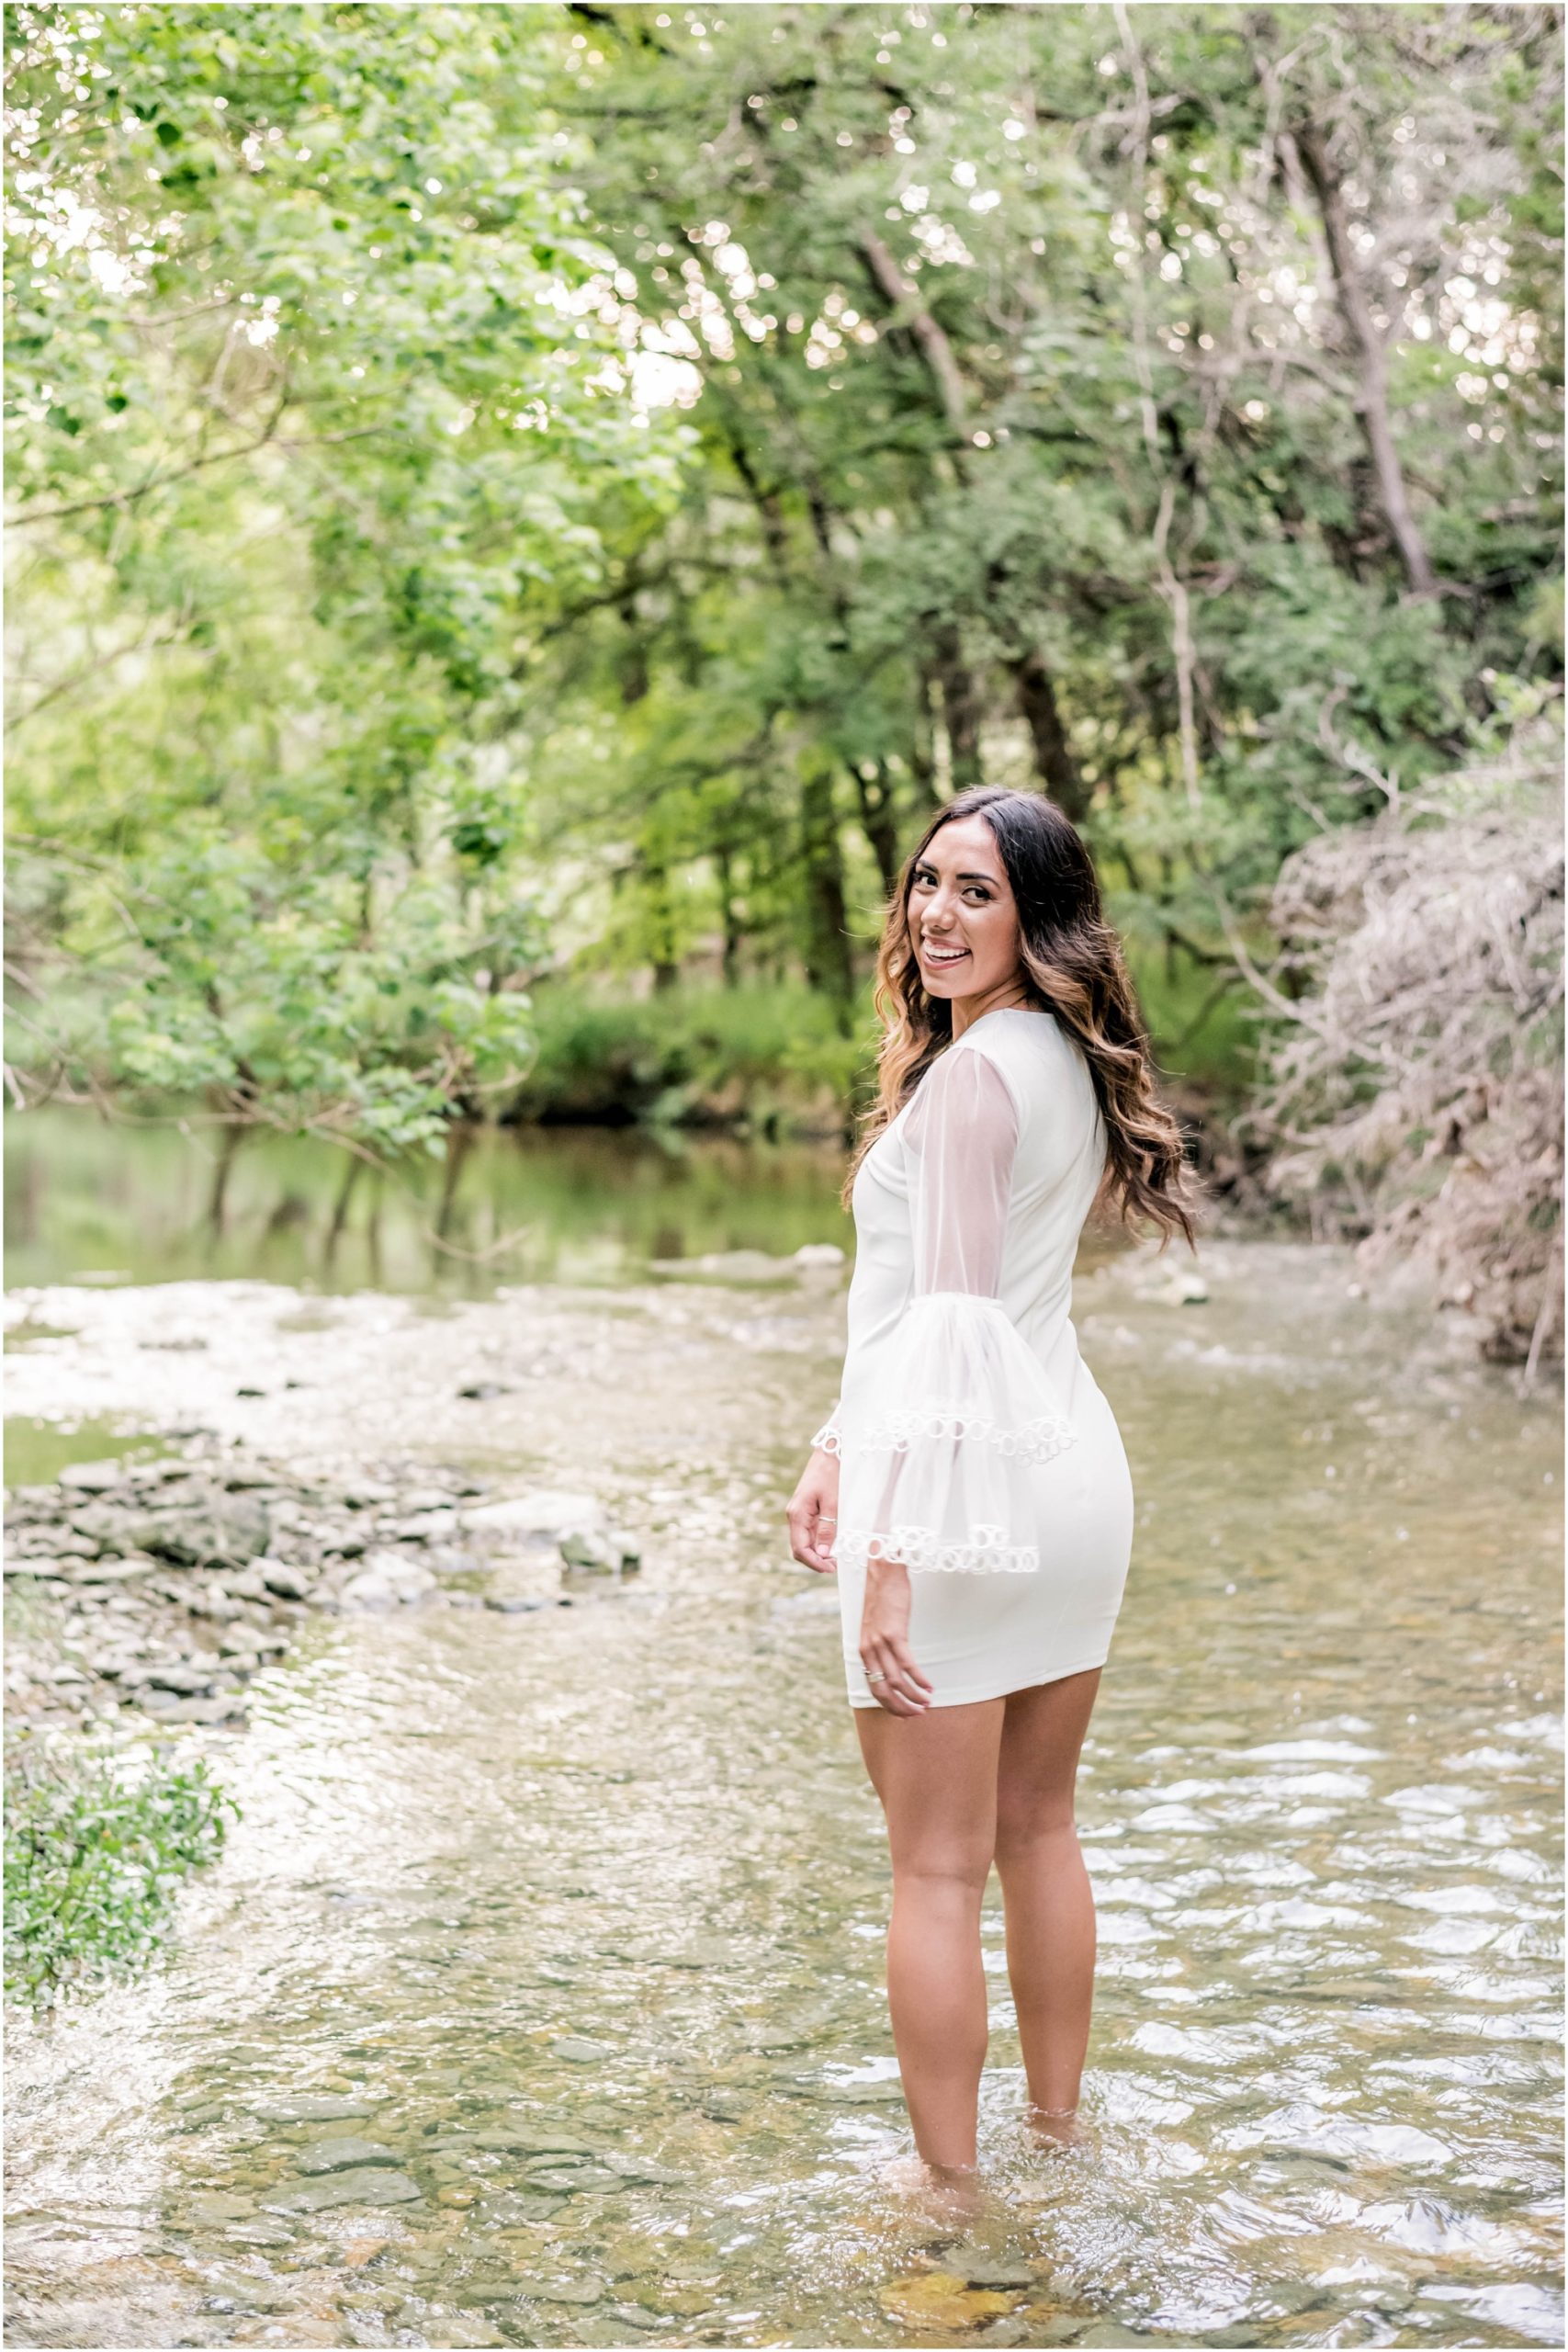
(963, 1413)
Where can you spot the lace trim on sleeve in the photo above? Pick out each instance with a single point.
(827, 1440)
(983, 1551)
(1038, 1439)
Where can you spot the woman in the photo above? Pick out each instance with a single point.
(970, 1484)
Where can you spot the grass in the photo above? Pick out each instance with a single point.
(94, 1857)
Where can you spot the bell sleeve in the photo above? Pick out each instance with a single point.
(828, 1438)
(944, 1462)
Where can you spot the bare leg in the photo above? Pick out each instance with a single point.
(1045, 1889)
(936, 1775)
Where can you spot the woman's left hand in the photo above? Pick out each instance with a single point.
(896, 1683)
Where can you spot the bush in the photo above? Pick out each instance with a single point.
(93, 1861)
(1415, 1098)
(751, 1056)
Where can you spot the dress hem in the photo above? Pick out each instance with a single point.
(977, 1698)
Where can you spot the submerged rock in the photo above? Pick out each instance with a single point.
(342, 2156)
(366, 2184)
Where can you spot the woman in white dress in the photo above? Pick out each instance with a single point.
(970, 1486)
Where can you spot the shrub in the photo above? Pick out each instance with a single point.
(93, 1860)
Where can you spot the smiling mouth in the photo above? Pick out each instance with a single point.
(944, 955)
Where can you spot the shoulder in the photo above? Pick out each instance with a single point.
(1026, 1049)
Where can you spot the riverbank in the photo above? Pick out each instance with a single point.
(536, 1995)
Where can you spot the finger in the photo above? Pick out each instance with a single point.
(800, 1518)
(903, 1675)
(903, 1660)
(892, 1689)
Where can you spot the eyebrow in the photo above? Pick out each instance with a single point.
(963, 878)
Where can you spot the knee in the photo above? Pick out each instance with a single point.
(956, 1878)
(1026, 1826)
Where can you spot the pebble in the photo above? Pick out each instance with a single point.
(578, 2052)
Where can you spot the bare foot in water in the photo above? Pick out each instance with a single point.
(1055, 2127)
(943, 2193)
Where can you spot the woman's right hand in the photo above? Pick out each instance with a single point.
(812, 1515)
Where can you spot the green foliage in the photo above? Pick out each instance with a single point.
(303, 326)
(770, 1058)
(507, 491)
(93, 1862)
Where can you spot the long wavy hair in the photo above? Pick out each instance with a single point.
(1072, 966)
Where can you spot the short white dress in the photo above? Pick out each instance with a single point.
(973, 1443)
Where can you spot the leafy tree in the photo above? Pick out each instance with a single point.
(307, 428)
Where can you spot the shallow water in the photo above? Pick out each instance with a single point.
(612, 1875)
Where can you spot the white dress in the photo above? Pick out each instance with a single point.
(973, 1443)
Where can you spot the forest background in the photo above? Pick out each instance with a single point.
(518, 514)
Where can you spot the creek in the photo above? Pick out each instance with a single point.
(536, 1998)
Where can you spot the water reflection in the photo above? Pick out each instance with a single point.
(85, 1200)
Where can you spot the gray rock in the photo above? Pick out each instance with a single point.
(342, 2156)
(370, 2185)
(578, 2052)
(91, 1477)
(288, 1582)
(566, 2291)
(579, 2180)
(219, 2205)
(244, 1585)
(221, 1708)
(988, 2270)
(590, 1550)
(186, 1680)
(425, 1527)
(107, 1573)
(388, 1580)
(312, 2108)
(549, 1511)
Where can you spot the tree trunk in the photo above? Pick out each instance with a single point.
(733, 935)
(1053, 760)
(653, 877)
(829, 964)
(879, 823)
(960, 708)
(1371, 404)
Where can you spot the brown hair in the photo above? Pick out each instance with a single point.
(1072, 966)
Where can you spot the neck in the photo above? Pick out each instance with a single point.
(967, 1009)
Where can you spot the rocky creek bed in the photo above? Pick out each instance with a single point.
(165, 1586)
(536, 1996)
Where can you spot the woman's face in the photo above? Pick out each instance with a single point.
(962, 915)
